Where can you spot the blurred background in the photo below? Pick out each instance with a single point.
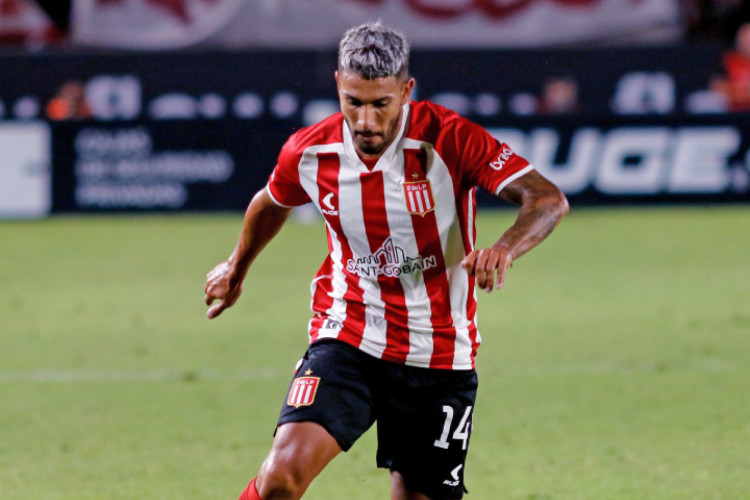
(182, 105)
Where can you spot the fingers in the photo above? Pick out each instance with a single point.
(216, 272)
(485, 270)
(476, 264)
(211, 293)
(215, 310)
(209, 298)
(488, 266)
(469, 261)
(225, 298)
(217, 288)
(500, 278)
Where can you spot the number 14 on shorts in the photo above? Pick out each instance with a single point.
(461, 432)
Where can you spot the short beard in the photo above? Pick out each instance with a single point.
(371, 150)
(376, 150)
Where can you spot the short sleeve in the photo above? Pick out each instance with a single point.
(284, 183)
(486, 162)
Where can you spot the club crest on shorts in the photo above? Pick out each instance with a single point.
(303, 391)
(418, 196)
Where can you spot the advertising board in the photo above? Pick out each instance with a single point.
(201, 131)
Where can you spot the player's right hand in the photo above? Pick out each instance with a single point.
(220, 286)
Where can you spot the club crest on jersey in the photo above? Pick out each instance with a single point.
(418, 195)
(303, 391)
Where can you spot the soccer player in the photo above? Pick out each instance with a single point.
(393, 335)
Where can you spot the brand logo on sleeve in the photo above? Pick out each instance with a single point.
(502, 158)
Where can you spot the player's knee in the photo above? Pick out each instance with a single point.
(279, 480)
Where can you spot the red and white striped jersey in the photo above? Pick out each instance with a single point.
(392, 284)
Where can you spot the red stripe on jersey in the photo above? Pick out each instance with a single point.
(391, 290)
(435, 279)
(329, 165)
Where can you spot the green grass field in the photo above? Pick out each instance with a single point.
(615, 364)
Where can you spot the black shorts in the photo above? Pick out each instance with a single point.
(424, 416)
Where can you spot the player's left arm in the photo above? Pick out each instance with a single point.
(542, 206)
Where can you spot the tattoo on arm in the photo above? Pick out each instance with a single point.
(543, 205)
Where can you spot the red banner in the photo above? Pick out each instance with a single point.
(160, 24)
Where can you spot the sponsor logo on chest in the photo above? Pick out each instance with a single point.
(389, 260)
(418, 196)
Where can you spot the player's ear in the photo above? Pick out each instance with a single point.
(336, 77)
(406, 90)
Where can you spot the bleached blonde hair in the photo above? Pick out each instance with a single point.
(373, 50)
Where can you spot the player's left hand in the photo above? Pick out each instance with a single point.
(488, 265)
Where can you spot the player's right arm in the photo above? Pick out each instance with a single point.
(263, 220)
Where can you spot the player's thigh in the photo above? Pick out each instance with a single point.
(424, 427)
